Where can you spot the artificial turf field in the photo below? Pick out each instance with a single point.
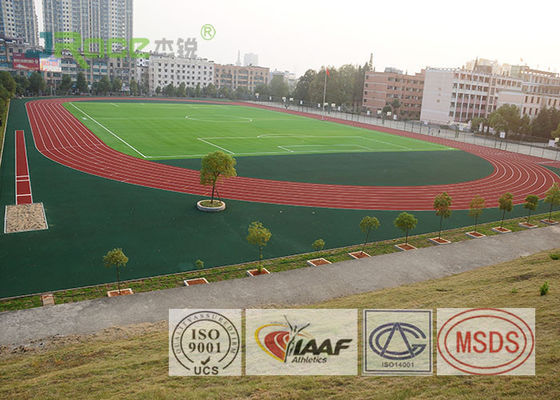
(162, 232)
(178, 131)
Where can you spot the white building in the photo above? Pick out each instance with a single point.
(18, 20)
(163, 70)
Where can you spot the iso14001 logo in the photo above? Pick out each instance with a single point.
(397, 342)
(204, 342)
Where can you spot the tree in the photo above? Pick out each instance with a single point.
(406, 222)
(182, 90)
(115, 258)
(7, 80)
(104, 85)
(259, 236)
(531, 204)
(278, 87)
(199, 264)
(367, 224)
(386, 109)
(442, 205)
(81, 83)
(318, 244)
(395, 105)
(116, 85)
(476, 123)
(158, 90)
(556, 133)
(210, 90)
(22, 84)
(36, 83)
(505, 204)
(506, 119)
(134, 89)
(65, 84)
(169, 90)
(214, 166)
(552, 196)
(476, 208)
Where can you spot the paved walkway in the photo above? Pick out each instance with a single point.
(296, 287)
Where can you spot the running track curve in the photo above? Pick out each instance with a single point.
(61, 137)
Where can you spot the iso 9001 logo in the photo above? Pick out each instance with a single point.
(204, 342)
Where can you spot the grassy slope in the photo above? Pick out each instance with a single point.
(133, 363)
(163, 131)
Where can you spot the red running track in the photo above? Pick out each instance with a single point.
(23, 181)
(61, 137)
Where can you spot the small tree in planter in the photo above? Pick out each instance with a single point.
(552, 197)
(367, 224)
(442, 205)
(505, 204)
(215, 166)
(531, 204)
(259, 236)
(115, 258)
(476, 209)
(406, 222)
(318, 244)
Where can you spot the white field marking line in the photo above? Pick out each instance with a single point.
(122, 140)
(327, 145)
(215, 145)
(283, 148)
(113, 104)
(307, 136)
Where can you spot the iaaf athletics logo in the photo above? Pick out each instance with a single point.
(204, 342)
(397, 342)
(301, 342)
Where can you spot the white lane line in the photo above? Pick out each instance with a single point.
(215, 145)
(115, 135)
(283, 148)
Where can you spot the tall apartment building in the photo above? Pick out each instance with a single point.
(234, 76)
(165, 70)
(381, 88)
(18, 20)
(458, 95)
(90, 18)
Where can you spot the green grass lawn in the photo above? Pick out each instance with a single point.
(168, 131)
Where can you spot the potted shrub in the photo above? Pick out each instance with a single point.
(367, 224)
(118, 259)
(506, 205)
(442, 205)
(318, 245)
(531, 204)
(553, 198)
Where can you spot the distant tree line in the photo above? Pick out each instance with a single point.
(508, 119)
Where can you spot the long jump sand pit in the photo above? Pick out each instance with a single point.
(25, 218)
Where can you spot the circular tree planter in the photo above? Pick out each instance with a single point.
(208, 206)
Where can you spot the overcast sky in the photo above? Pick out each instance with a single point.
(297, 35)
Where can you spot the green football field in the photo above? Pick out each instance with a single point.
(168, 131)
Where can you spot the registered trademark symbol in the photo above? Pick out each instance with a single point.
(207, 32)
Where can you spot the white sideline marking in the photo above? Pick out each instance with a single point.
(283, 148)
(113, 104)
(122, 140)
(215, 145)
